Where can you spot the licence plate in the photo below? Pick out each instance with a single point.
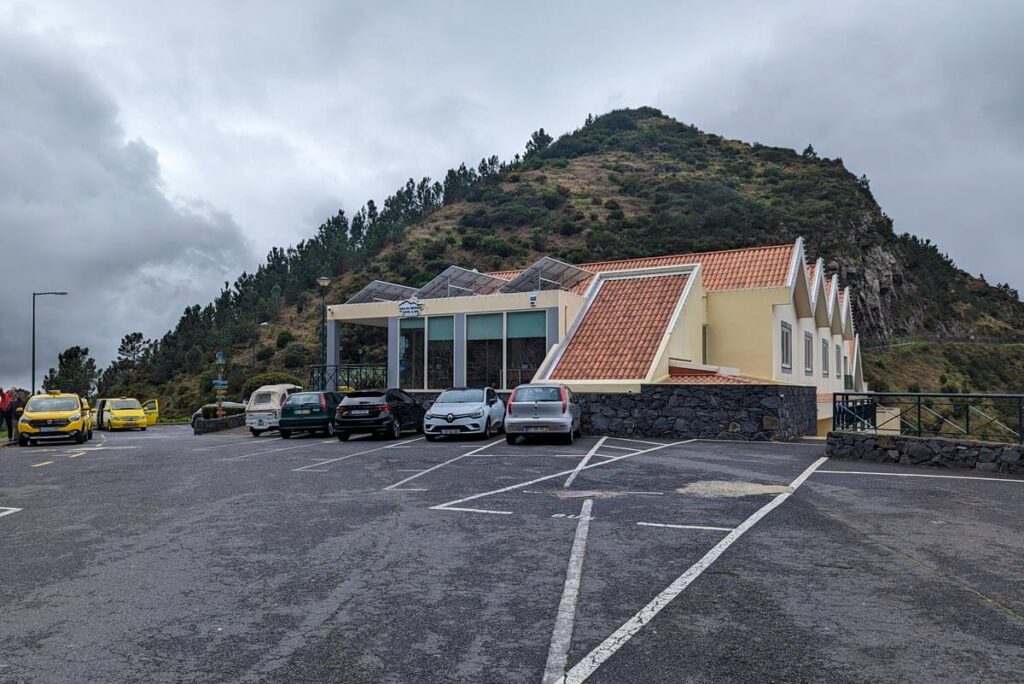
(360, 413)
(449, 431)
(302, 412)
(47, 429)
(536, 428)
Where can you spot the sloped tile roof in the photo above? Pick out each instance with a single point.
(713, 379)
(622, 329)
(734, 269)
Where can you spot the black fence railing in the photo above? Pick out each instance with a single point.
(354, 375)
(987, 417)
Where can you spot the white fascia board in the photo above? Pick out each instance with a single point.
(673, 321)
(796, 263)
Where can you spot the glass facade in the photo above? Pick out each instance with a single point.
(410, 353)
(440, 352)
(484, 349)
(526, 345)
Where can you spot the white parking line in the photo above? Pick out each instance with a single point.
(441, 465)
(274, 451)
(639, 441)
(550, 477)
(561, 636)
(687, 527)
(477, 510)
(629, 629)
(583, 462)
(313, 466)
(4, 510)
(941, 477)
(612, 446)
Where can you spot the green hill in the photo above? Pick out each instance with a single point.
(628, 183)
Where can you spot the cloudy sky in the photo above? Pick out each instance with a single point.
(151, 151)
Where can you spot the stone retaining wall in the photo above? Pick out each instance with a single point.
(926, 451)
(204, 425)
(741, 412)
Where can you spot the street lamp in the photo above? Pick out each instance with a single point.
(32, 388)
(323, 282)
(254, 331)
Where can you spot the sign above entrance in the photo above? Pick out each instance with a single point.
(410, 308)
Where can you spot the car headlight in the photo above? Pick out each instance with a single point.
(24, 420)
(75, 418)
(429, 415)
(479, 413)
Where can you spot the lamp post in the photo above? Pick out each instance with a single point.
(32, 387)
(323, 282)
(254, 332)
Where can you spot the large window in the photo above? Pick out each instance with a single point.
(787, 347)
(410, 354)
(484, 350)
(808, 353)
(526, 345)
(440, 352)
(824, 357)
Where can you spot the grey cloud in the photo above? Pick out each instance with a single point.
(82, 209)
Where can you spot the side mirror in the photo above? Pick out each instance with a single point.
(18, 411)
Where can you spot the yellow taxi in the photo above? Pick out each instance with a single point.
(54, 415)
(123, 413)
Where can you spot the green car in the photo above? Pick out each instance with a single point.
(309, 412)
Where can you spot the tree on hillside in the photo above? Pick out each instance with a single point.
(809, 152)
(75, 372)
(537, 142)
(133, 349)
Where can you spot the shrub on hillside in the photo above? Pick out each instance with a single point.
(264, 354)
(297, 355)
(271, 378)
(284, 338)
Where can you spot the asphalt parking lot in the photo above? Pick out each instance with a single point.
(165, 557)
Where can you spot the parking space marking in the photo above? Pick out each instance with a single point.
(313, 466)
(941, 477)
(76, 454)
(4, 510)
(621, 448)
(687, 527)
(441, 465)
(550, 477)
(36, 465)
(593, 660)
(274, 451)
(638, 441)
(561, 636)
(583, 462)
(476, 510)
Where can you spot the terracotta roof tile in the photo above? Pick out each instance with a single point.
(622, 329)
(504, 275)
(713, 379)
(733, 269)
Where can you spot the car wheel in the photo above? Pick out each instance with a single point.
(22, 441)
(286, 434)
(255, 432)
(396, 429)
(430, 438)
(80, 438)
(510, 438)
(343, 436)
(487, 429)
(143, 429)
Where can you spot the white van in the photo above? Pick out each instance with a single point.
(263, 412)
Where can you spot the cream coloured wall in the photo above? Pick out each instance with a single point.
(742, 329)
(684, 339)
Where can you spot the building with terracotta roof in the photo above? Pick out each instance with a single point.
(759, 315)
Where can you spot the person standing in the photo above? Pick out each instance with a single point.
(14, 402)
(7, 414)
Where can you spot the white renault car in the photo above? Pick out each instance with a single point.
(465, 411)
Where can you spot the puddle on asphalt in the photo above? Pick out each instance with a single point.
(724, 488)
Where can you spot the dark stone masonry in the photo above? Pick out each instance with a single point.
(204, 426)
(926, 451)
(741, 412)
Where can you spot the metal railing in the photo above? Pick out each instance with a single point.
(355, 375)
(987, 417)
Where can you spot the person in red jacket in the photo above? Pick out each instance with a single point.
(7, 413)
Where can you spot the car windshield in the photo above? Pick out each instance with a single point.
(45, 404)
(364, 398)
(303, 399)
(262, 398)
(461, 396)
(538, 394)
(125, 405)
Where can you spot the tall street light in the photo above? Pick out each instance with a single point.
(32, 389)
(254, 334)
(323, 282)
